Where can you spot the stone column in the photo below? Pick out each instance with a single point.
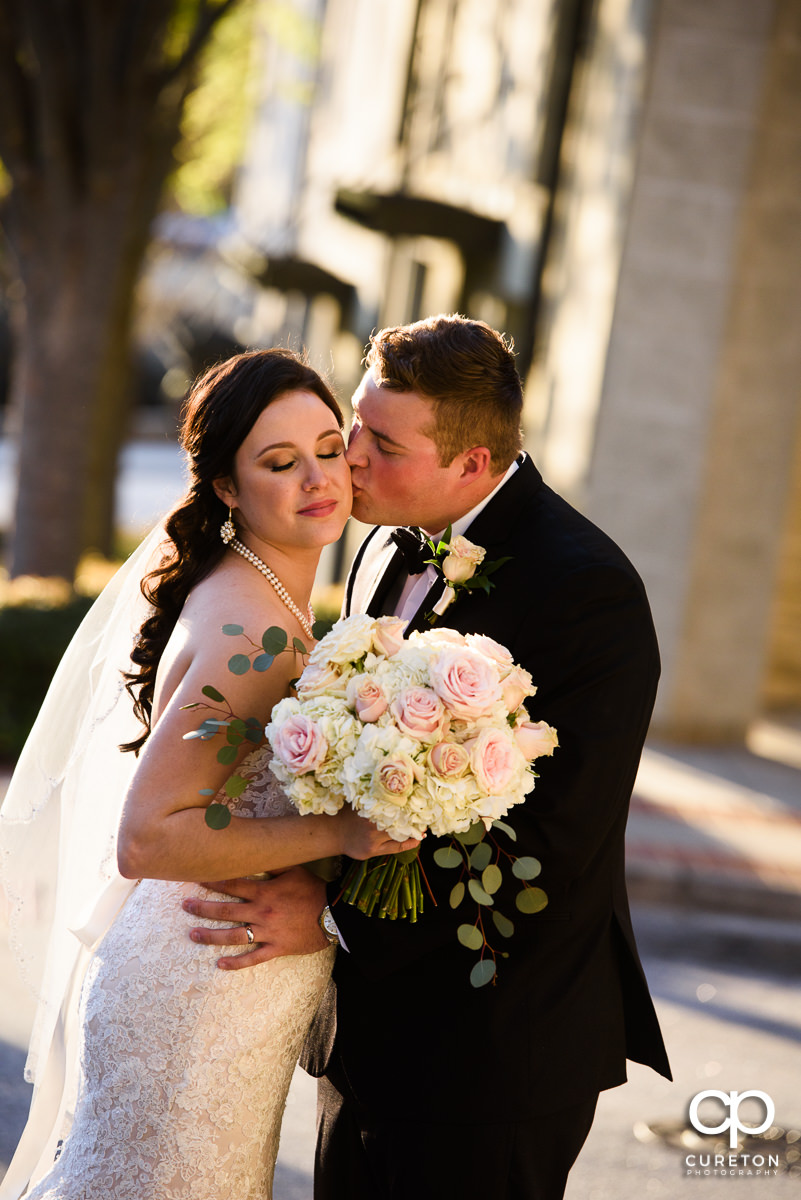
(698, 417)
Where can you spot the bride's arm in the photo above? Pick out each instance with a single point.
(163, 834)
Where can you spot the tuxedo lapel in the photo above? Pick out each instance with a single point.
(491, 526)
(377, 606)
(374, 569)
(489, 529)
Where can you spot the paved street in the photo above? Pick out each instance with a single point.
(151, 479)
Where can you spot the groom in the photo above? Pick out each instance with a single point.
(432, 1089)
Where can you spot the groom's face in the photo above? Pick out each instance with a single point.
(397, 478)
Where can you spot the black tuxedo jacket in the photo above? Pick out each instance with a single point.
(403, 1030)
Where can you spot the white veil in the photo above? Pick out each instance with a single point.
(58, 832)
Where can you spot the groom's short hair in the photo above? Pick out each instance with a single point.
(467, 371)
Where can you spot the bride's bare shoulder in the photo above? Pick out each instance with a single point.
(198, 643)
(229, 595)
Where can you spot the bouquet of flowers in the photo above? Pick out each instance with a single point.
(417, 734)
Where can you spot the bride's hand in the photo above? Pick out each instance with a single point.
(363, 839)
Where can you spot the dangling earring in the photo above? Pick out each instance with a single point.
(228, 529)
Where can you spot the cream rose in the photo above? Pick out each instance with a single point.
(348, 641)
(320, 679)
(465, 681)
(448, 760)
(299, 744)
(419, 713)
(536, 739)
(388, 635)
(393, 779)
(516, 685)
(495, 759)
(461, 561)
(366, 697)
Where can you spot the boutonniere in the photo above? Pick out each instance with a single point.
(461, 564)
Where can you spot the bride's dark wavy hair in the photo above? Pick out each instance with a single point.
(219, 412)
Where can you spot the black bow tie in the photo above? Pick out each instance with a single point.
(414, 547)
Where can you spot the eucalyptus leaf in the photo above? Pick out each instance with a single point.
(255, 735)
(470, 936)
(239, 664)
(491, 878)
(238, 725)
(526, 868)
(472, 835)
(206, 792)
(483, 972)
(321, 628)
(213, 694)
(226, 755)
(531, 900)
(502, 924)
(457, 895)
(507, 829)
(235, 786)
(477, 892)
(232, 630)
(263, 662)
(217, 816)
(274, 640)
(480, 857)
(298, 644)
(448, 856)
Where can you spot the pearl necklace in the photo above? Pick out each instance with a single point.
(272, 578)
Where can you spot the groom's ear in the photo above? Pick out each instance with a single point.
(475, 464)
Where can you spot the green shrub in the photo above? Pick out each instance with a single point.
(32, 641)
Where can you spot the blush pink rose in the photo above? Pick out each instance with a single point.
(492, 649)
(516, 685)
(495, 760)
(448, 760)
(366, 697)
(465, 681)
(420, 714)
(535, 739)
(388, 635)
(300, 744)
(394, 779)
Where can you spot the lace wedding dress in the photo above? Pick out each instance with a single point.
(184, 1068)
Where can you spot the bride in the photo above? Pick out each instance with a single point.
(158, 1075)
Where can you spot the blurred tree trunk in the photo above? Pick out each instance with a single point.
(91, 95)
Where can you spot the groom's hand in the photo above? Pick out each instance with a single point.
(283, 913)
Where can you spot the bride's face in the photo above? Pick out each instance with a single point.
(291, 485)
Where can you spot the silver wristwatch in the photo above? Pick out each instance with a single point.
(329, 926)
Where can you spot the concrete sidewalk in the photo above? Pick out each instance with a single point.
(719, 829)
